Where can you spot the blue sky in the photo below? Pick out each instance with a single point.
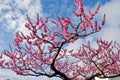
(13, 17)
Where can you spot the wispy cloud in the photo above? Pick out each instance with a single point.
(96, 78)
(111, 30)
(8, 74)
(13, 17)
(13, 13)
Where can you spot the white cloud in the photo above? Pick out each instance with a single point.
(96, 78)
(8, 74)
(111, 33)
(13, 16)
(76, 45)
(111, 30)
(111, 9)
(13, 13)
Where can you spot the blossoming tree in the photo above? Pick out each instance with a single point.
(43, 52)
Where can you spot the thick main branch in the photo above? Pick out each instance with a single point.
(62, 75)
